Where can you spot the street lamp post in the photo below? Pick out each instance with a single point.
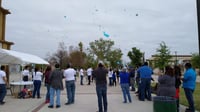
(198, 21)
(175, 57)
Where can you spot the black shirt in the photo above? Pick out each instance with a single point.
(100, 76)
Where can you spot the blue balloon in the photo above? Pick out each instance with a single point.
(105, 34)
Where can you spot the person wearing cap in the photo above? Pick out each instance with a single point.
(99, 75)
(124, 82)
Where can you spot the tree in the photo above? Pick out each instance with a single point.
(163, 56)
(114, 57)
(80, 46)
(135, 56)
(90, 61)
(103, 51)
(61, 56)
(195, 60)
(77, 56)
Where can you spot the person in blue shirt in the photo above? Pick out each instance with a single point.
(124, 82)
(114, 78)
(145, 85)
(189, 83)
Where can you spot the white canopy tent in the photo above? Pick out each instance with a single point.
(13, 57)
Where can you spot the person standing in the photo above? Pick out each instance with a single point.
(99, 75)
(166, 83)
(124, 82)
(89, 74)
(132, 78)
(117, 74)
(56, 85)
(177, 73)
(81, 73)
(145, 86)
(3, 82)
(110, 73)
(37, 79)
(25, 74)
(189, 83)
(69, 74)
(46, 81)
(114, 79)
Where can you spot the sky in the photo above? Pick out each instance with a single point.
(37, 26)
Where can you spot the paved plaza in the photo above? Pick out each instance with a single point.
(85, 101)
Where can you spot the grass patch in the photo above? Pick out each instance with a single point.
(196, 96)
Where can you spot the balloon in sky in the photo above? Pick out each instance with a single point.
(65, 17)
(105, 34)
(136, 14)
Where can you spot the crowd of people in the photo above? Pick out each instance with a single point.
(128, 78)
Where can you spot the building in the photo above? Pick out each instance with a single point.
(3, 43)
(175, 59)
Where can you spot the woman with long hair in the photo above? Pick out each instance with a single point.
(46, 75)
(166, 83)
(177, 73)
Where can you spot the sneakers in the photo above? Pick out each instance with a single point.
(57, 106)
(50, 106)
(1, 103)
(188, 110)
(67, 103)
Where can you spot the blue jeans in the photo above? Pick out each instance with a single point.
(52, 93)
(70, 87)
(189, 96)
(2, 92)
(101, 91)
(110, 81)
(48, 91)
(37, 85)
(125, 91)
(145, 88)
(81, 81)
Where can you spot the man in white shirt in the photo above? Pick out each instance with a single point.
(89, 74)
(81, 73)
(25, 74)
(69, 74)
(3, 82)
(110, 73)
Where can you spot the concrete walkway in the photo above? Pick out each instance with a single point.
(85, 101)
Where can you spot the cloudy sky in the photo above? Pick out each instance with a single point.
(37, 26)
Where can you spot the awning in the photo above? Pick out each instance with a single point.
(15, 57)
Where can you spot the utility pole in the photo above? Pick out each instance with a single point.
(198, 21)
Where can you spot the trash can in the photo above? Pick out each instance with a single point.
(164, 104)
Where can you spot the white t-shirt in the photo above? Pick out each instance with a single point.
(2, 74)
(81, 72)
(110, 73)
(69, 74)
(89, 71)
(37, 76)
(25, 72)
